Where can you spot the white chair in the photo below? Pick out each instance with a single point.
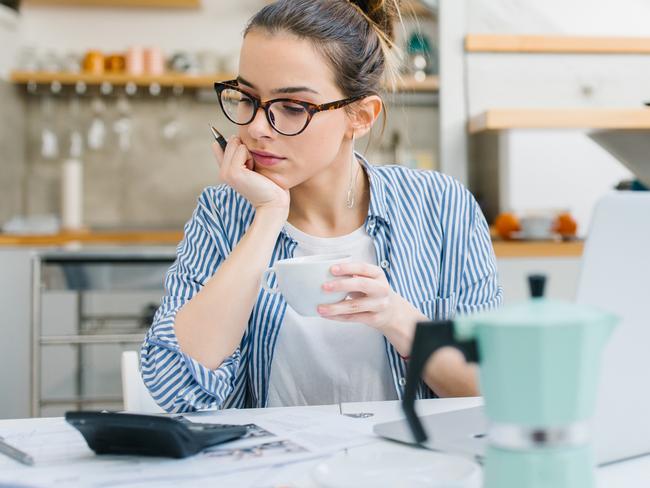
(136, 396)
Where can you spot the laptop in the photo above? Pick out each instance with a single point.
(615, 277)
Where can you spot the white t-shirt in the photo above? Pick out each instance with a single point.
(319, 361)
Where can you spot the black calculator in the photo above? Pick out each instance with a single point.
(149, 435)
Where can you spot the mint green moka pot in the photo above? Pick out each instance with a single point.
(539, 368)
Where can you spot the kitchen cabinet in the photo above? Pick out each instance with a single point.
(87, 307)
(562, 275)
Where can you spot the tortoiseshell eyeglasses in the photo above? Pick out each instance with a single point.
(287, 116)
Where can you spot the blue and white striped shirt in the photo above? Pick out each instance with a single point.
(431, 240)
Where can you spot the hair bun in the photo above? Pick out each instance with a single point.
(383, 13)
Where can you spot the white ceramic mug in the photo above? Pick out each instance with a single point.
(300, 281)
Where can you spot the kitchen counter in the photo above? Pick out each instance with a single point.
(503, 249)
(135, 237)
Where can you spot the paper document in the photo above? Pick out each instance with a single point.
(279, 437)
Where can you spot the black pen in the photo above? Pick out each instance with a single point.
(16, 454)
(219, 138)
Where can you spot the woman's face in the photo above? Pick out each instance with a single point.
(284, 66)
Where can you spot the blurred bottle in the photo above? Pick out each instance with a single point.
(154, 62)
(135, 60)
(72, 174)
(93, 62)
(115, 63)
(420, 56)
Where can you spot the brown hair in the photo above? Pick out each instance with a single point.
(355, 37)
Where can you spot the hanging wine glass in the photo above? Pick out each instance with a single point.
(96, 134)
(49, 140)
(123, 125)
(171, 126)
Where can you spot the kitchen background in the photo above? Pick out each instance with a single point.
(151, 140)
(135, 162)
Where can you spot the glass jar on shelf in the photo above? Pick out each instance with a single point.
(421, 60)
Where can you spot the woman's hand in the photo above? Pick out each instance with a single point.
(373, 302)
(370, 297)
(236, 169)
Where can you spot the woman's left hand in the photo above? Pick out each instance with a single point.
(371, 299)
(373, 302)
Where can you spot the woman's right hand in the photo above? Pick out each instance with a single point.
(236, 170)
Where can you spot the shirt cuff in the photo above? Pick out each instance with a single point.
(176, 380)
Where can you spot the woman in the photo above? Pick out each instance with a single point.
(294, 186)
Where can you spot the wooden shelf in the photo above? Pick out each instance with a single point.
(410, 84)
(537, 249)
(578, 118)
(118, 3)
(407, 84)
(168, 79)
(503, 249)
(497, 43)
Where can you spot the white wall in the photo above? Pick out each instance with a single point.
(561, 170)
(570, 17)
(217, 25)
(8, 40)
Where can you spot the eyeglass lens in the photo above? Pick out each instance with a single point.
(285, 116)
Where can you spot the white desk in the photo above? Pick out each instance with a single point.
(630, 474)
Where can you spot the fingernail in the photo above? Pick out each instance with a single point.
(336, 269)
(322, 310)
(327, 286)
